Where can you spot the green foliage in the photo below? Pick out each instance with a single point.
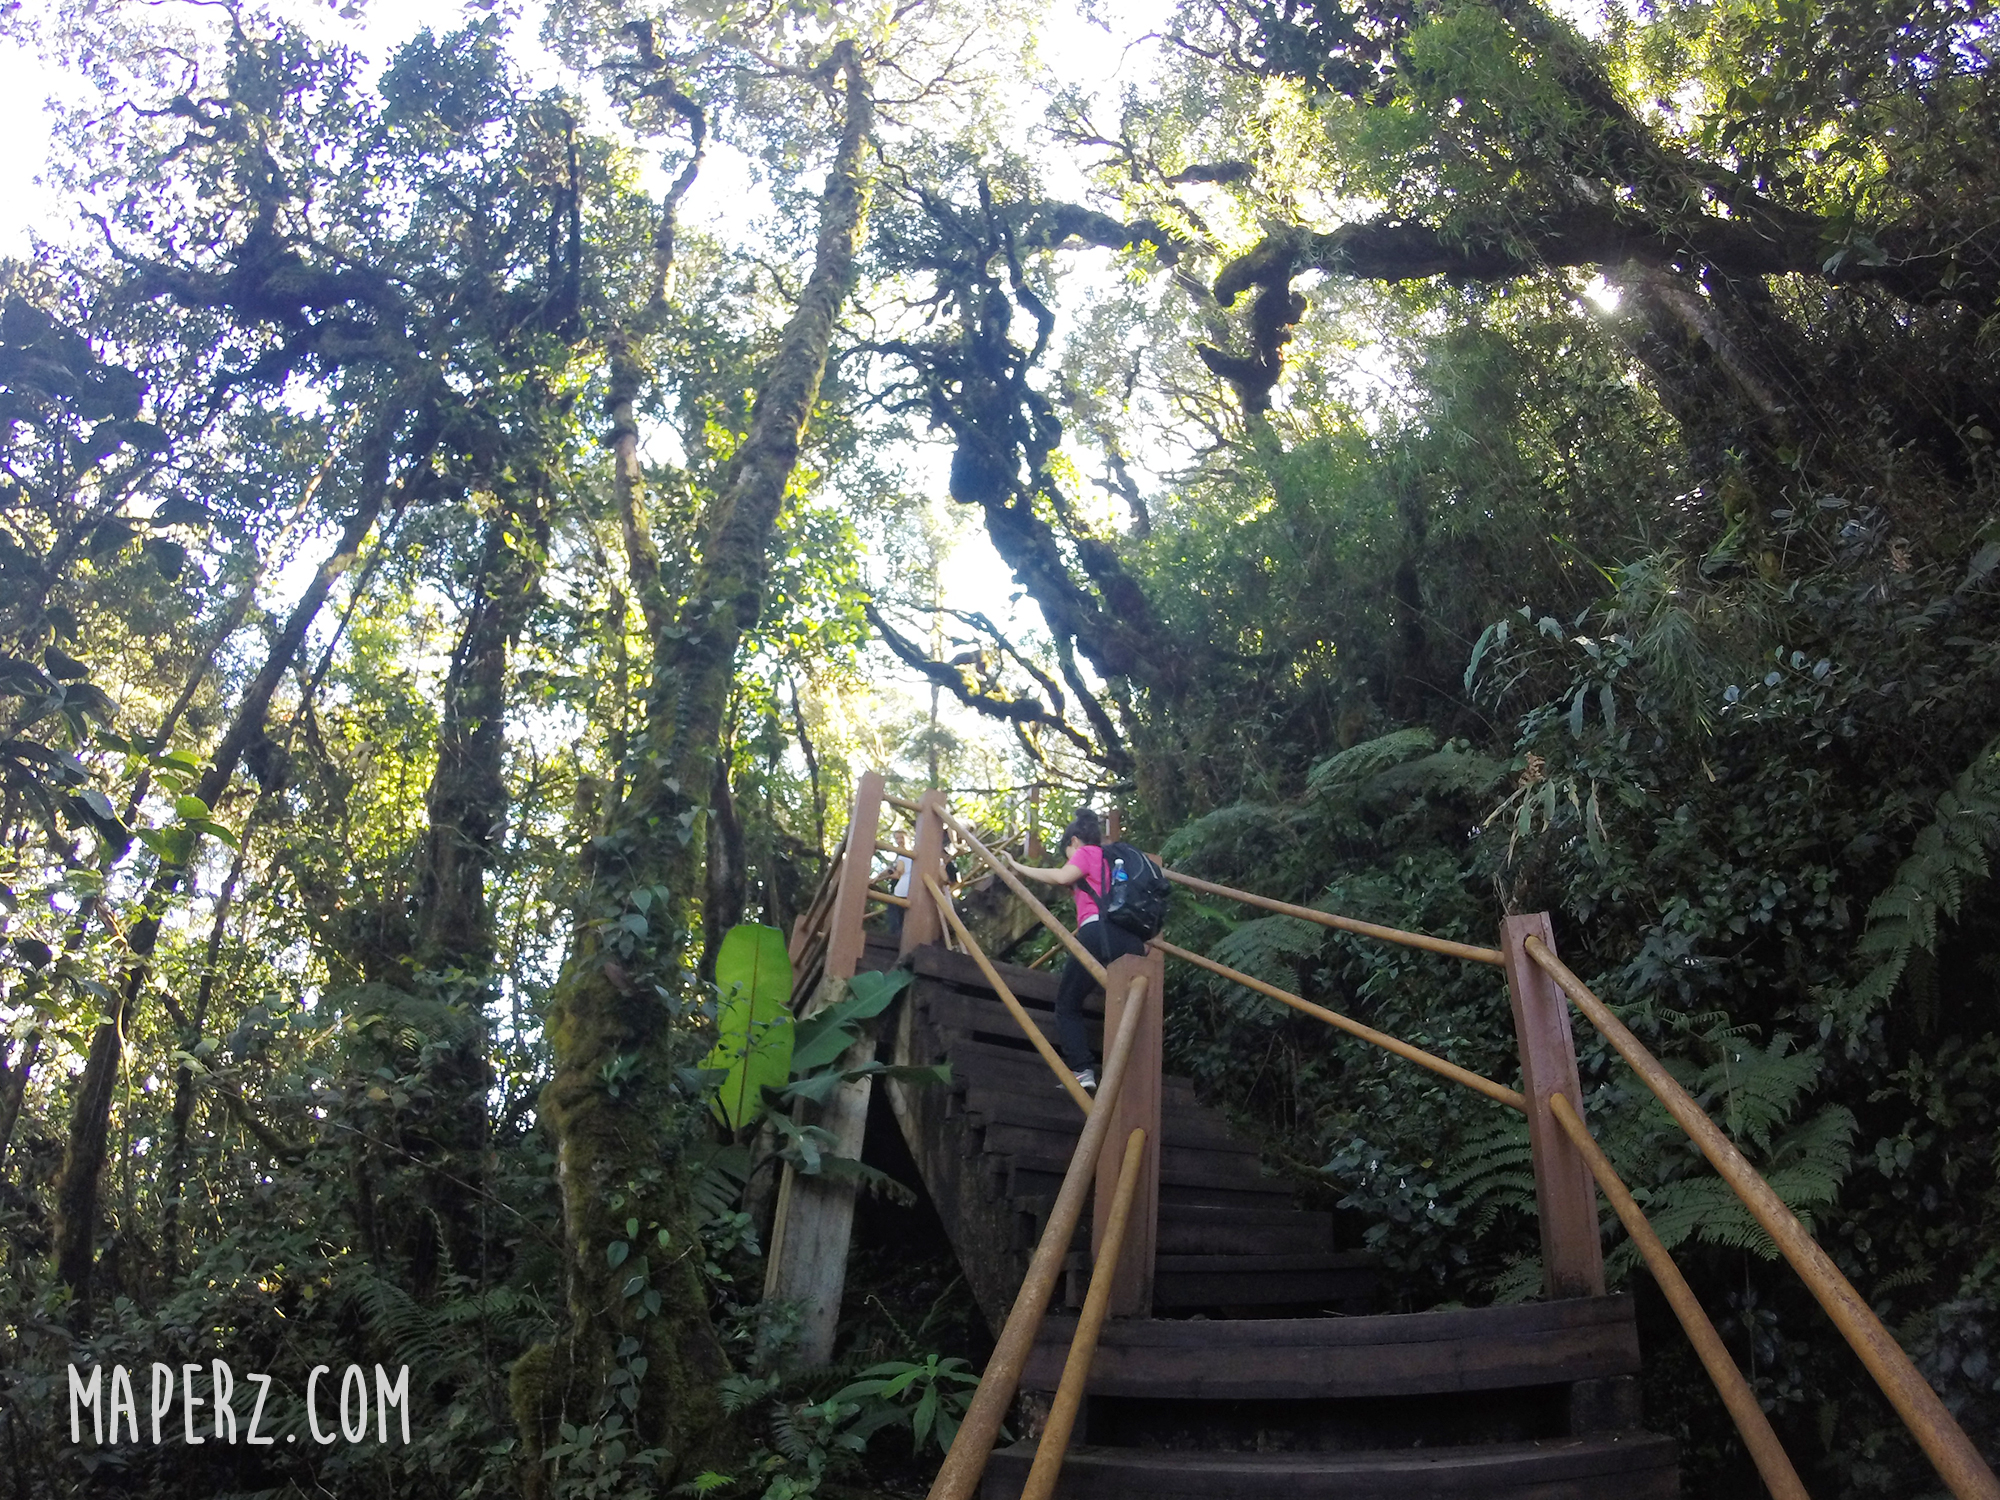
(1926, 891)
(753, 1022)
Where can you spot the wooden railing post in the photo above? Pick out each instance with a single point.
(815, 1216)
(922, 922)
(850, 901)
(1565, 1192)
(1137, 1107)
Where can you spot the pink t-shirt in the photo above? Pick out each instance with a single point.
(1090, 860)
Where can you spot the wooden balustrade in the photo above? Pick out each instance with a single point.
(1569, 1167)
(1944, 1442)
(1776, 1470)
(1054, 1446)
(958, 1478)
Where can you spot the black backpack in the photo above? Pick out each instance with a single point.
(1138, 903)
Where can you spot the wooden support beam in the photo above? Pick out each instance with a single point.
(807, 1265)
(921, 922)
(1137, 1107)
(850, 899)
(1565, 1192)
(1773, 1467)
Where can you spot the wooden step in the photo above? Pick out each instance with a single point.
(1624, 1466)
(1030, 986)
(988, 1020)
(1226, 1167)
(1191, 1229)
(1036, 1176)
(1231, 1284)
(1039, 1101)
(1407, 1354)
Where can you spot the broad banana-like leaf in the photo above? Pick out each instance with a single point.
(828, 1032)
(753, 1022)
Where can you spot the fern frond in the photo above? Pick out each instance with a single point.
(1928, 888)
(1270, 948)
(1361, 763)
(1759, 1087)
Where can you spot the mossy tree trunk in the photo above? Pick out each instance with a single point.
(466, 810)
(639, 1340)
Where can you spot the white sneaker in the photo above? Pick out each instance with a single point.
(1087, 1077)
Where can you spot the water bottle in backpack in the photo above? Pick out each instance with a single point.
(1135, 894)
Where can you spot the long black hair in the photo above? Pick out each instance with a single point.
(1084, 826)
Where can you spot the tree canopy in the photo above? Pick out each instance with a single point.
(469, 510)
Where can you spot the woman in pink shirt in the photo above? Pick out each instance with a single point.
(1085, 872)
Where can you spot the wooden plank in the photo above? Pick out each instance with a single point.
(815, 1215)
(845, 938)
(807, 1264)
(1516, 1323)
(1296, 1234)
(998, 1099)
(922, 925)
(1137, 1107)
(1257, 1261)
(1028, 985)
(1187, 1165)
(985, 1020)
(1639, 1466)
(1297, 1372)
(1565, 1192)
(1233, 1290)
(1385, 1355)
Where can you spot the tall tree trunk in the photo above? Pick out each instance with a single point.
(728, 867)
(83, 1156)
(467, 808)
(14, 1089)
(614, 1028)
(467, 801)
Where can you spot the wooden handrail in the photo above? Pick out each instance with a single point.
(889, 897)
(1944, 1442)
(1780, 1478)
(1512, 1098)
(898, 802)
(1008, 999)
(959, 1476)
(1044, 956)
(1054, 1446)
(1346, 924)
(1063, 935)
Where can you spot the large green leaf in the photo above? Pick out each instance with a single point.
(828, 1032)
(754, 1021)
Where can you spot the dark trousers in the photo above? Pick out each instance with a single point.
(1107, 940)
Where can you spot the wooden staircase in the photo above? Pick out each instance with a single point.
(1252, 1377)
(993, 1148)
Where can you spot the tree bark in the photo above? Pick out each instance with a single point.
(728, 867)
(467, 800)
(615, 1028)
(13, 1090)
